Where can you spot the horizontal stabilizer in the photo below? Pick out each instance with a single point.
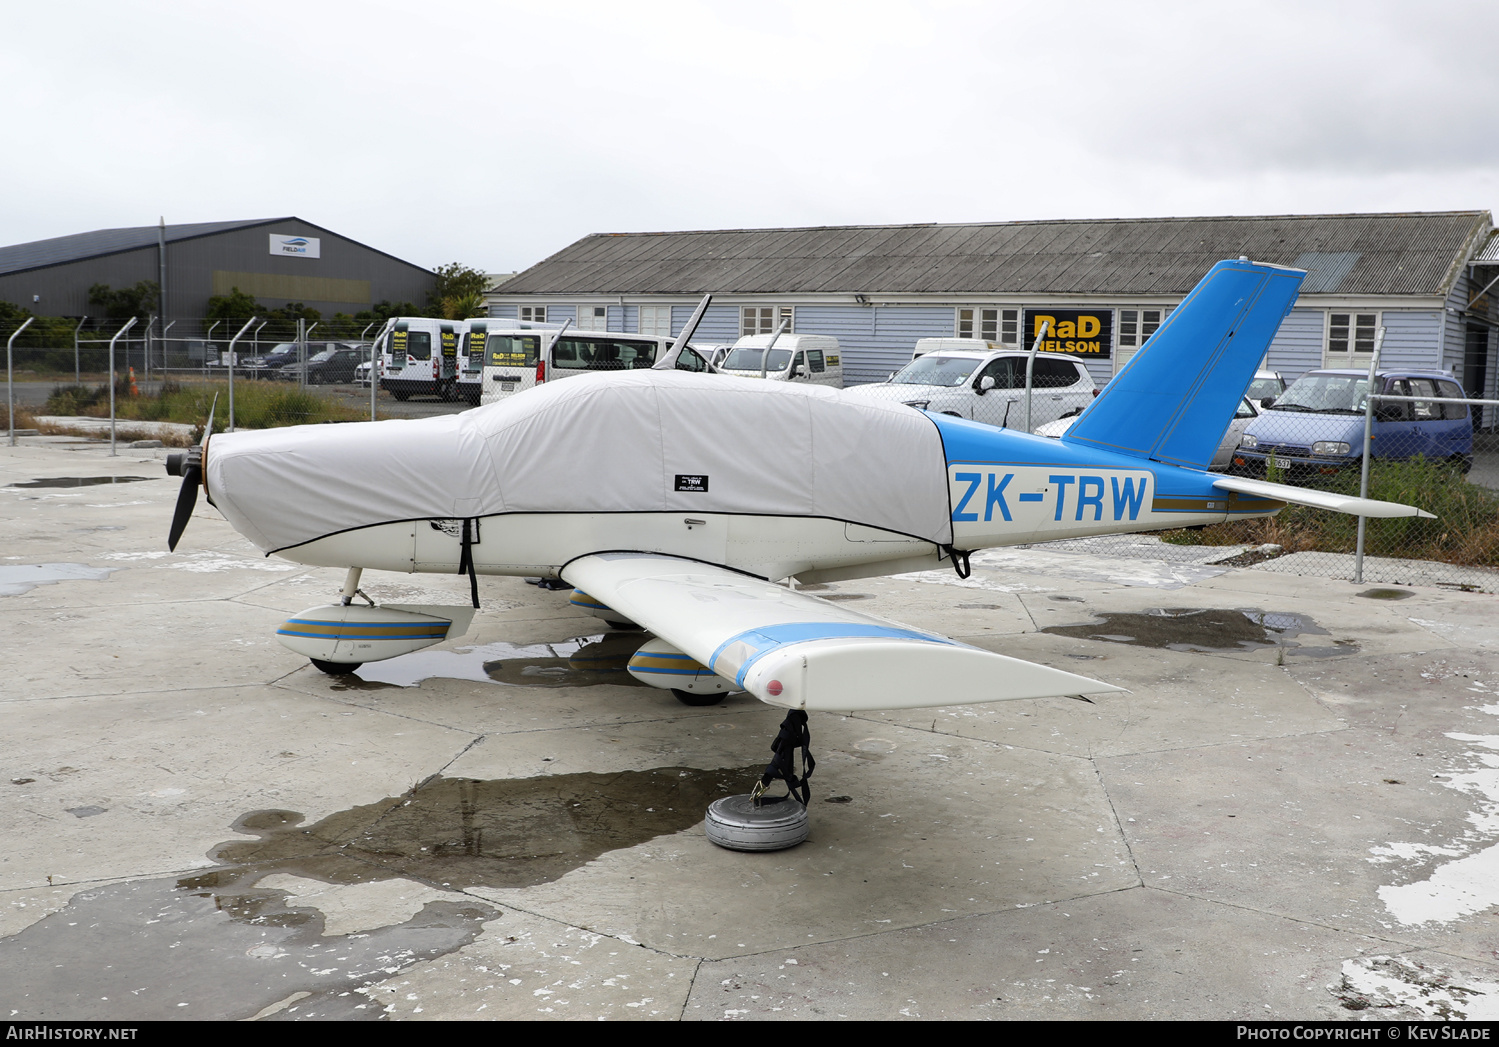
(1342, 503)
(791, 649)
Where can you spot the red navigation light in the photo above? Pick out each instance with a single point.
(774, 688)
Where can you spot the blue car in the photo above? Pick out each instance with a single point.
(1316, 427)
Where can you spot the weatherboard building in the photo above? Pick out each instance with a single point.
(1103, 285)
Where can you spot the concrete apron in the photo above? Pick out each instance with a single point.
(1291, 814)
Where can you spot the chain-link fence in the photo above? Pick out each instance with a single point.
(1429, 445)
(165, 377)
(1424, 448)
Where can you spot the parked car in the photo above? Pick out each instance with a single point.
(1317, 426)
(989, 386)
(270, 364)
(332, 365)
(1266, 385)
(1248, 411)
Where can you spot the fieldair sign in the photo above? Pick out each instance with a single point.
(1081, 332)
(294, 245)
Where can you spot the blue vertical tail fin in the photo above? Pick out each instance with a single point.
(1175, 397)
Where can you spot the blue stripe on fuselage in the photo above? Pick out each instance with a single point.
(974, 443)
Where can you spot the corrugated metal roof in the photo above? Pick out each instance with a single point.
(61, 249)
(1488, 254)
(1369, 254)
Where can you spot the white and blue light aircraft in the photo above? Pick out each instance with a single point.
(692, 504)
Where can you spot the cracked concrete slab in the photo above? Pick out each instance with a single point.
(509, 831)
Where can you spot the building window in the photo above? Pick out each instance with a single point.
(1136, 325)
(533, 314)
(763, 319)
(593, 318)
(990, 325)
(1351, 330)
(655, 320)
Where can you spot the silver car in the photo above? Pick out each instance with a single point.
(1248, 411)
(989, 386)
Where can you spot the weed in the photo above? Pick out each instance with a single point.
(1465, 531)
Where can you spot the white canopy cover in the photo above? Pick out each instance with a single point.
(632, 441)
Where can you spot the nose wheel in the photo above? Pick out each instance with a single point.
(334, 668)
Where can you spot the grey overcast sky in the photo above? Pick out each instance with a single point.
(496, 133)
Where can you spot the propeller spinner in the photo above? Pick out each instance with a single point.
(189, 466)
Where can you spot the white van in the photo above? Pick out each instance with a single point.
(510, 355)
(513, 357)
(419, 357)
(811, 358)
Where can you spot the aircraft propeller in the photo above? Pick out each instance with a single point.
(189, 466)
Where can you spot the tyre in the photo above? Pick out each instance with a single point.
(696, 700)
(735, 823)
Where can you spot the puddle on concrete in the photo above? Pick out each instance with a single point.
(219, 945)
(16, 579)
(582, 662)
(80, 481)
(463, 832)
(157, 949)
(1386, 594)
(1210, 630)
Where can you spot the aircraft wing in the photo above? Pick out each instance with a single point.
(1342, 503)
(791, 649)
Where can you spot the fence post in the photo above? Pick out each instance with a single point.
(165, 346)
(1030, 368)
(10, 392)
(112, 341)
(207, 344)
(375, 360)
(1363, 483)
(77, 370)
(232, 341)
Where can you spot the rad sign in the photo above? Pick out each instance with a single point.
(1082, 332)
(296, 246)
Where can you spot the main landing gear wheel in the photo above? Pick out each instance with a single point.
(693, 698)
(755, 822)
(335, 668)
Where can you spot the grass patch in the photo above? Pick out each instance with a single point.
(257, 405)
(1466, 530)
(24, 420)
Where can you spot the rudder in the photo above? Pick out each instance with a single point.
(1174, 399)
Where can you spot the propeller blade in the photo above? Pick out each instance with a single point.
(186, 499)
(189, 466)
